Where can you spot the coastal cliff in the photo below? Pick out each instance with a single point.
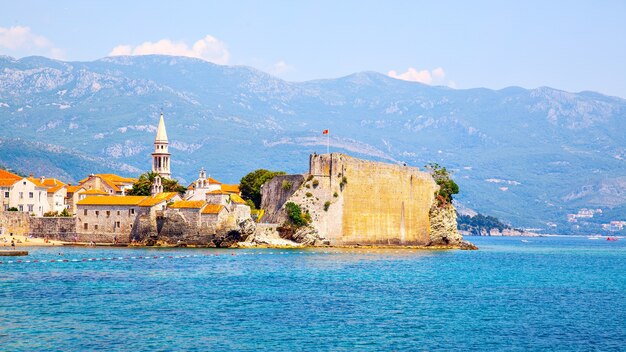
(358, 202)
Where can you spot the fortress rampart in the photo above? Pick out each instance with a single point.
(353, 201)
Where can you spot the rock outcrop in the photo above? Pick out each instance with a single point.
(306, 235)
(267, 235)
(443, 226)
(177, 230)
(144, 230)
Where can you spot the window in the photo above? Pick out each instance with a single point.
(21, 195)
(97, 212)
(85, 212)
(95, 227)
(6, 207)
(20, 207)
(108, 213)
(118, 213)
(86, 226)
(117, 224)
(132, 211)
(30, 207)
(30, 195)
(6, 194)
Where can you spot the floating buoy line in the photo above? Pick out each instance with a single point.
(168, 257)
(141, 257)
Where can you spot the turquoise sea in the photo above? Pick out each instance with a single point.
(547, 294)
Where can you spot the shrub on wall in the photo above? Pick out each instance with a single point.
(294, 214)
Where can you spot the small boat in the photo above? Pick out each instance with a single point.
(611, 238)
(525, 241)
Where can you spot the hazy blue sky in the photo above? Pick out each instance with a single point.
(571, 45)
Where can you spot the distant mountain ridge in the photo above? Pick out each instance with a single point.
(529, 157)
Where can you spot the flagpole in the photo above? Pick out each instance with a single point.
(328, 142)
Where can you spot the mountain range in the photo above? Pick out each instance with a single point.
(528, 156)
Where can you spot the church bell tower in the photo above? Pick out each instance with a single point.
(161, 156)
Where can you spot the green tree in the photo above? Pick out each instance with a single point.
(294, 213)
(250, 185)
(144, 184)
(447, 186)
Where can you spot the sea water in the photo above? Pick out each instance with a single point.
(544, 294)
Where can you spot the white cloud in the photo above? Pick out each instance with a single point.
(208, 48)
(281, 67)
(21, 40)
(436, 76)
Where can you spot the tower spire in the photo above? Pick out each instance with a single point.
(161, 155)
(161, 135)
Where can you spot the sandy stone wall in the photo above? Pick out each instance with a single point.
(14, 222)
(378, 203)
(105, 223)
(60, 229)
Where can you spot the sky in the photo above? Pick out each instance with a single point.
(570, 45)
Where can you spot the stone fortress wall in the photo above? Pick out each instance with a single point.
(380, 203)
(353, 201)
(53, 228)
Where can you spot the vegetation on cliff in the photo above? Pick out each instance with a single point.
(480, 223)
(447, 186)
(295, 215)
(144, 184)
(250, 185)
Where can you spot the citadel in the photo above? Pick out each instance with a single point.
(348, 201)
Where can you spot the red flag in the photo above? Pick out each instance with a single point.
(325, 132)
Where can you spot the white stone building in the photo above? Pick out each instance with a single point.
(28, 197)
(198, 189)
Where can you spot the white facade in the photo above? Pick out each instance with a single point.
(28, 197)
(200, 187)
(5, 194)
(56, 200)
